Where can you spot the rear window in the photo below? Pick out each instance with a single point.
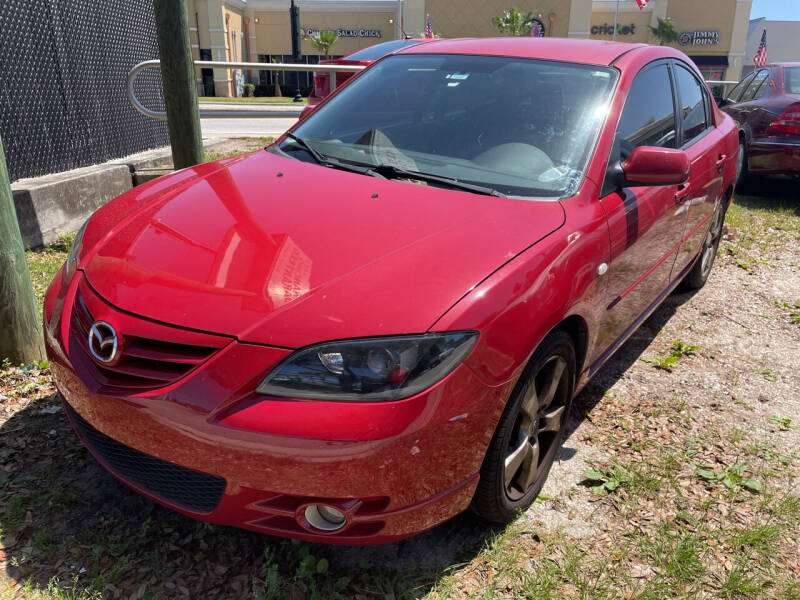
(379, 50)
(791, 80)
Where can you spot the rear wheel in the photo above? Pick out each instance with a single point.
(529, 433)
(697, 277)
(741, 162)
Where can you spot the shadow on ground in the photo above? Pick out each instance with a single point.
(64, 516)
(769, 193)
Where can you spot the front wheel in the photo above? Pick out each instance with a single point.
(529, 433)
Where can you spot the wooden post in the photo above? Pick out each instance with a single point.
(21, 338)
(178, 79)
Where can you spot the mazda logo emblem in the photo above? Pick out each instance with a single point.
(103, 342)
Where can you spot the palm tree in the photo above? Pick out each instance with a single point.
(665, 31)
(514, 23)
(323, 40)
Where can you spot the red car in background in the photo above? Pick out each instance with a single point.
(766, 108)
(382, 319)
(363, 58)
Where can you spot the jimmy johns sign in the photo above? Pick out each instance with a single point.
(353, 33)
(698, 38)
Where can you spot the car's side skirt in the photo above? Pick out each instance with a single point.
(635, 325)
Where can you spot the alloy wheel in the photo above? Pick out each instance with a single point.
(711, 243)
(538, 423)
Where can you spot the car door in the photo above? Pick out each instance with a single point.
(699, 196)
(645, 224)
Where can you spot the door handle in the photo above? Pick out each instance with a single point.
(682, 194)
(721, 162)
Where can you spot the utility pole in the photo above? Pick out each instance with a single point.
(21, 338)
(294, 20)
(177, 77)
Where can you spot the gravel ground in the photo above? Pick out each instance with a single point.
(704, 452)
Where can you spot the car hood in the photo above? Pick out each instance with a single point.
(277, 251)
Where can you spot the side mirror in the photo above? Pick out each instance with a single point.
(306, 111)
(649, 165)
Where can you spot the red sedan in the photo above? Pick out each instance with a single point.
(363, 58)
(382, 319)
(766, 108)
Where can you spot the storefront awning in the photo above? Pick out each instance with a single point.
(705, 60)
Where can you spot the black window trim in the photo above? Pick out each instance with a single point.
(612, 165)
(678, 64)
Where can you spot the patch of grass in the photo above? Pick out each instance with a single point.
(767, 374)
(44, 263)
(783, 423)
(605, 482)
(731, 477)
(677, 352)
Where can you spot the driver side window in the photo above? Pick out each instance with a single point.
(648, 118)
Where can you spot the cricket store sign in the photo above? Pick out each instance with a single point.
(698, 38)
(608, 29)
(351, 33)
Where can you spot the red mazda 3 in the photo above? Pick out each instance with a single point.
(382, 319)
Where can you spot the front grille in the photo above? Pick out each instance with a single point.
(145, 364)
(181, 486)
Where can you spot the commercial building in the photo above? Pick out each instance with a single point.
(782, 42)
(712, 32)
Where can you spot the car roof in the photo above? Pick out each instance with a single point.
(593, 52)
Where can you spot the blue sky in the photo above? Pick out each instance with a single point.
(776, 10)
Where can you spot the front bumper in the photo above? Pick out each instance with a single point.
(207, 446)
(774, 156)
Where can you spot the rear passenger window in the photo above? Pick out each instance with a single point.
(693, 106)
(648, 118)
(756, 86)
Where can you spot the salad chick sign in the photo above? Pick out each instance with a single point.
(376, 33)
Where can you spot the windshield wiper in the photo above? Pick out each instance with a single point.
(332, 162)
(394, 171)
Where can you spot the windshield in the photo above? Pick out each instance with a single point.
(379, 50)
(517, 126)
(791, 79)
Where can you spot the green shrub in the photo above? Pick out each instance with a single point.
(249, 90)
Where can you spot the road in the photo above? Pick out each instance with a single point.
(245, 126)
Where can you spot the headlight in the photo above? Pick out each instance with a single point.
(74, 250)
(366, 370)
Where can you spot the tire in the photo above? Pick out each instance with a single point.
(742, 174)
(532, 425)
(697, 277)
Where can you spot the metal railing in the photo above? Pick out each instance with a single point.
(250, 66)
(247, 66)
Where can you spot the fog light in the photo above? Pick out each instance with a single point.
(324, 517)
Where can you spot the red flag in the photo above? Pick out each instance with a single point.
(642, 3)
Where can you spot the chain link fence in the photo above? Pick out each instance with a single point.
(63, 65)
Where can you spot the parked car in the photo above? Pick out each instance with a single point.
(766, 108)
(382, 319)
(363, 58)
